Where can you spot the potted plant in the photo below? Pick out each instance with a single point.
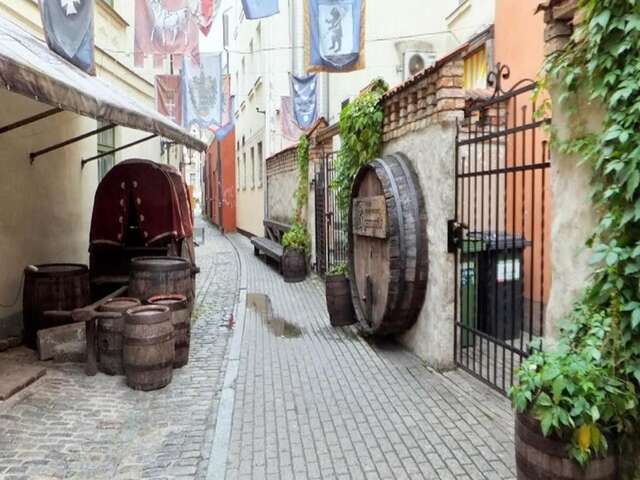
(573, 407)
(338, 295)
(296, 243)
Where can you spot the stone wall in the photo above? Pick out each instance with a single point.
(282, 181)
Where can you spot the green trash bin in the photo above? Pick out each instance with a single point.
(469, 274)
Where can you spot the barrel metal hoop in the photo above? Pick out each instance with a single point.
(141, 342)
(148, 368)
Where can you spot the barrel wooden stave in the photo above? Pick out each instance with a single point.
(397, 265)
(339, 303)
(110, 331)
(181, 320)
(54, 286)
(294, 266)
(540, 458)
(148, 347)
(150, 276)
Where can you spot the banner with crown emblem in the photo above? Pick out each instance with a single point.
(166, 27)
(304, 95)
(68, 29)
(334, 35)
(202, 91)
(254, 9)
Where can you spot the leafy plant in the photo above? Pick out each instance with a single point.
(302, 191)
(598, 66)
(361, 124)
(297, 238)
(339, 268)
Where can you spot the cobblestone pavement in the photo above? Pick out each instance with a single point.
(316, 402)
(70, 426)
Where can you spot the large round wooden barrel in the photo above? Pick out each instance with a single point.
(181, 320)
(148, 348)
(151, 276)
(339, 303)
(294, 266)
(110, 335)
(387, 245)
(54, 286)
(540, 458)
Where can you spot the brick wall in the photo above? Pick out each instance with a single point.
(282, 181)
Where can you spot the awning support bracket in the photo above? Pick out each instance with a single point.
(27, 121)
(58, 146)
(111, 152)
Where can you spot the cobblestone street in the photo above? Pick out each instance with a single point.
(271, 391)
(70, 426)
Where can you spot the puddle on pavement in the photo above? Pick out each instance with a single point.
(278, 326)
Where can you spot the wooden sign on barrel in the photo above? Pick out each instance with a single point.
(387, 245)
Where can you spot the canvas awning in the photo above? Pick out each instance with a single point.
(28, 67)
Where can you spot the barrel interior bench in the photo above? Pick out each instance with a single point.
(271, 245)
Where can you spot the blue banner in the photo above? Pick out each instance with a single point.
(304, 93)
(254, 9)
(335, 33)
(68, 29)
(202, 91)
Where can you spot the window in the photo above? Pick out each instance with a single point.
(253, 168)
(244, 172)
(106, 143)
(260, 160)
(475, 70)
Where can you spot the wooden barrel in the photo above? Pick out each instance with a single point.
(339, 304)
(294, 266)
(151, 276)
(148, 347)
(387, 245)
(540, 458)
(54, 286)
(110, 335)
(181, 320)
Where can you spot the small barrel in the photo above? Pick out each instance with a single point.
(53, 286)
(148, 348)
(150, 276)
(538, 457)
(339, 304)
(294, 266)
(110, 335)
(181, 320)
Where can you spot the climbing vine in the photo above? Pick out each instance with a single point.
(600, 65)
(361, 139)
(298, 236)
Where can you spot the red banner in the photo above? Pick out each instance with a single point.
(290, 129)
(169, 97)
(165, 27)
(206, 15)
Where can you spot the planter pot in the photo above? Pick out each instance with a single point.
(294, 265)
(540, 458)
(339, 305)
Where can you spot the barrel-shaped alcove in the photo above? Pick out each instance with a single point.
(387, 245)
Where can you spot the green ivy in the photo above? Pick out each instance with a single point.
(302, 191)
(361, 124)
(601, 65)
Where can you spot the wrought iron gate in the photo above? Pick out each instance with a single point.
(500, 232)
(331, 227)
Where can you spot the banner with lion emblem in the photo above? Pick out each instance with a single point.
(68, 29)
(334, 35)
(166, 27)
(202, 91)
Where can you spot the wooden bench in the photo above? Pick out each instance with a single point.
(271, 244)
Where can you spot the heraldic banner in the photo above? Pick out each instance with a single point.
(290, 129)
(169, 97)
(334, 35)
(254, 9)
(202, 91)
(166, 27)
(206, 14)
(304, 92)
(227, 124)
(68, 28)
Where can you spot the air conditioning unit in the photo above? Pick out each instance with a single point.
(415, 62)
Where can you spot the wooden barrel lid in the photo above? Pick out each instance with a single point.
(56, 270)
(147, 315)
(173, 301)
(119, 304)
(159, 264)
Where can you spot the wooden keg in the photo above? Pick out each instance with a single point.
(339, 303)
(181, 320)
(148, 348)
(54, 286)
(110, 335)
(538, 457)
(387, 245)
(294, 266)
(151, 276)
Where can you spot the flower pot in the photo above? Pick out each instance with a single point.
(294, 265)
(339, 305)
(540, 458)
